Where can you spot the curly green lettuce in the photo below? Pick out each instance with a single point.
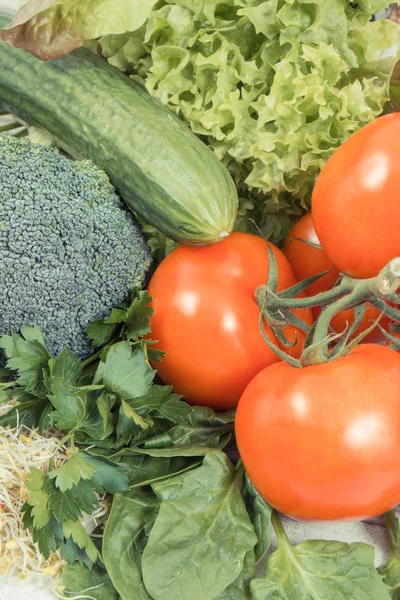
(273, 86)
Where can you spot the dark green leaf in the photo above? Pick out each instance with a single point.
(67, 367)
(71, 553)
(202, 426)
(45, 421)
(170, 452)
(48, 538)
(27, 354)
(104, 404)
(125, 536)
(131, 413)
(200, 538)
(126, 429)
(107, 476)
(390, 572)
(27, 519)
(127, 373)
(29, 413)
(75, 531)
(154, 354)
(186, 436)
(138, 316)
(71, 403)
(320, 569)
(101, 332)
(161, 400)
(144, 470)
(79, 581)
(260, 515)
(72, 503)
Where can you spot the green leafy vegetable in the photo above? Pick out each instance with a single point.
(126, 372)
(319, 569)
(52, 28)
(107, 476)
(132, 515)
(79, 581)
(75, 531)
(129, 323)
(38, 499)
(260, 514)
(28, 355)
(144, 469)
(390, 572)
(71, 472)
(198, 543)
(73, 503)
(240, 588)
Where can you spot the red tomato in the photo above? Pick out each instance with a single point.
(307, 261)
(355, 203)
(322, 442)
(206, 318)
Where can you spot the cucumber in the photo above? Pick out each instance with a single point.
(163, 172)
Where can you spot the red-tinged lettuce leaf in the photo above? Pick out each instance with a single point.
(394, 86)
(51, 28)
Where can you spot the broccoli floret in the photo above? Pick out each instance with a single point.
(69, 251)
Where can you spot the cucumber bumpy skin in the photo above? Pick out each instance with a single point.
(163, 172)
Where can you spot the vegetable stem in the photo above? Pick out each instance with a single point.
(392, 531)
(279, 529)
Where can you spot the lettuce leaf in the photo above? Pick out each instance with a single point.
(272, 86)
(52, 28)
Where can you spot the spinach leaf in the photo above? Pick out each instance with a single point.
(390, 572)
(79, 581)
(144, 470)
(260, 515)
(240, 588)
(201, 427)
(200, 538)
(125, 536)
(319, 569)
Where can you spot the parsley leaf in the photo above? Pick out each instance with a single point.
(127, 372)
(71, 472)
(38, 498)
(27, 354)
(72, 503)
(74, 530)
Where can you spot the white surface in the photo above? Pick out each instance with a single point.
(10, 5)
(32, 589)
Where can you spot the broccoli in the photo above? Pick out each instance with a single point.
(69, 251)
